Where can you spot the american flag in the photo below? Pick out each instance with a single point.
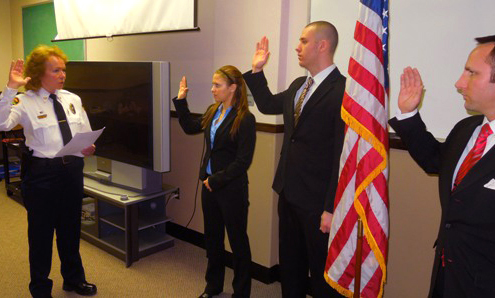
(362, 189)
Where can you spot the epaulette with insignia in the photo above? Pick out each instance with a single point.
(72, 108)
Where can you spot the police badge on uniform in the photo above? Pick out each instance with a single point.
(16, 101)
(72, 109)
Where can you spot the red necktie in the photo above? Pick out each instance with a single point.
(474, 155)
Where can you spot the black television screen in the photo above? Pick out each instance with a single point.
(120, 96)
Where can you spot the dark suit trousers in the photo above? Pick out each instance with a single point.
(52, 195)
(302, 248)
(227, 208)
(439, 282)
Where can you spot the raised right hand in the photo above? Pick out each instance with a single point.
(182, 88)
(16, 77)
(261, 55)
(411, 90)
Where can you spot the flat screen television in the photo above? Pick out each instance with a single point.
(132, 101)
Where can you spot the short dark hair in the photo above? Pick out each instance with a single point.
(491, 56)
(327, 31)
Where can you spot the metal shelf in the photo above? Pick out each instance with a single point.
(129, 229)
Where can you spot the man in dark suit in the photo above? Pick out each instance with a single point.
(465, 248)
(307, 172)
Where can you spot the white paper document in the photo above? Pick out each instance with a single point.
(80, 141)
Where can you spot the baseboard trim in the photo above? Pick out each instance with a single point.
(261, 273)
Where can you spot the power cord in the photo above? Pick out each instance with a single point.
(197, 184)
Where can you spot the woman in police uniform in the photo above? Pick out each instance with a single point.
(52, 187)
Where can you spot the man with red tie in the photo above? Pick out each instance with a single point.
(465, 163)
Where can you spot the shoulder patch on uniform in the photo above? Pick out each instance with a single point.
(16, 101)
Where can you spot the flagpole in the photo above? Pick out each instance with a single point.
(359, 252)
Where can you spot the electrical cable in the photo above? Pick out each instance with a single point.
(197, 184)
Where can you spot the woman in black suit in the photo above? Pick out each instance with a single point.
(230, 136)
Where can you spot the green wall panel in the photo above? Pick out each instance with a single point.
(39, 27)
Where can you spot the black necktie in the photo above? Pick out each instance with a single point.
(62, 119)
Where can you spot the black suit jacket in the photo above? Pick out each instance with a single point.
(467, 227)
(230, 157)
(308, 169)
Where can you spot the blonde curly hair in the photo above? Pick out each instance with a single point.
(35, 64)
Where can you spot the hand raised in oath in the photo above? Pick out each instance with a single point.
(182, 88)
(411, 90)
(16, 76)
(261, 55)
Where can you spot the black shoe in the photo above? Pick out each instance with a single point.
(82, 288)
(206, 295)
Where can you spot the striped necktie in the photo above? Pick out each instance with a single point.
(474, 155)
(297, 111)
(62, 119)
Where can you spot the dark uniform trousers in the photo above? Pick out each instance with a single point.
(52, 191)
(227, 208)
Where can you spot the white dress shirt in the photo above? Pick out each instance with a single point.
(34, 111)
(317, 79)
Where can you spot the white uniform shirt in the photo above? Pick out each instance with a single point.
(35, 112)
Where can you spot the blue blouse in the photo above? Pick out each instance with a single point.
(214, 126)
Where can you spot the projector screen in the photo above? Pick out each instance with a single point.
(78, 19)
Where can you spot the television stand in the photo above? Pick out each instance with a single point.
(127, 224)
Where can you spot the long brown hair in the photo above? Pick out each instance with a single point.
(239, 101)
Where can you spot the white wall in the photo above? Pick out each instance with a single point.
(228, 34)
(436, 36)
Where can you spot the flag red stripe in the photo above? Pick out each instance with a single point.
(367, 80)
(366, 119)
(350, 218)
(367, 164)
(370, 290)
(343, 235)
(346, 173)
(350, 271)
(376, 230)
(369, 40)
(380, 184)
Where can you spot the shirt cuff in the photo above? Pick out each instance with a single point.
(405, 116)
(8, 93)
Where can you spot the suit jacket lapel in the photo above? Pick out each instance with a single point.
(207, 134)
(319, 93)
